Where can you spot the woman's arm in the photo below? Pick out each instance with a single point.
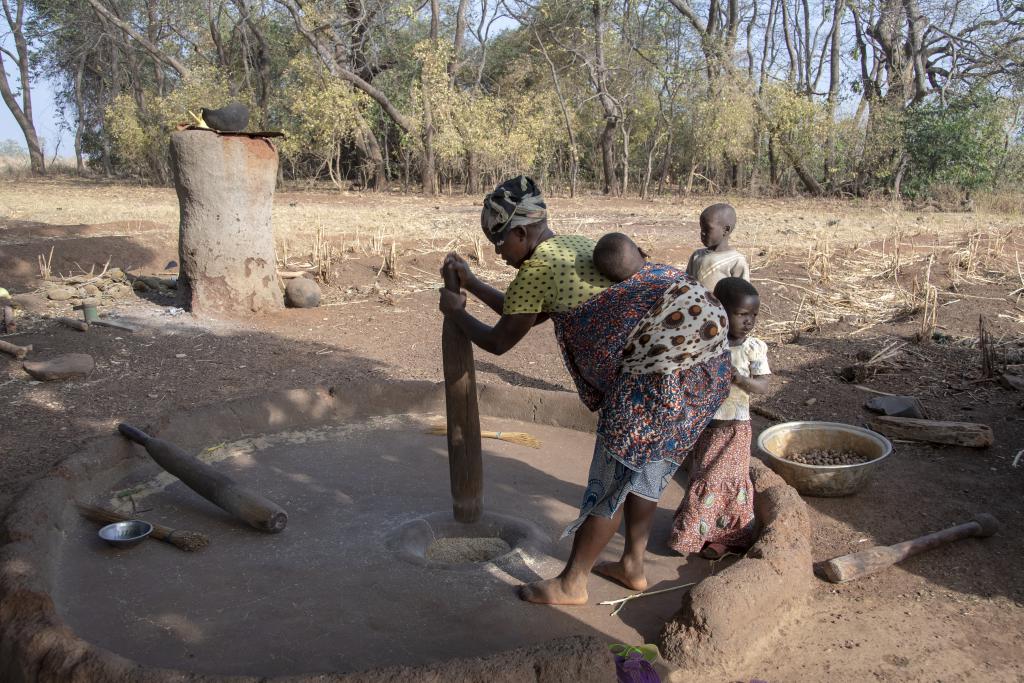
(492, 297)
(498, 339)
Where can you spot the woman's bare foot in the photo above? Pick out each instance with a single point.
(554, 591)
(621, 573)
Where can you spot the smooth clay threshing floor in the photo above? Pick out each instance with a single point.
(327, 594)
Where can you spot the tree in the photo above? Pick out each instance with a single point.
(960, 144)
(15, 16)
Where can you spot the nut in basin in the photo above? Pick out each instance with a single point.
(780, 443)
(125, 534)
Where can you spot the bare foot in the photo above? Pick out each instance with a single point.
(553, 592)
(621, 574)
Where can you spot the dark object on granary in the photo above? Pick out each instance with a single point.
(230, 119)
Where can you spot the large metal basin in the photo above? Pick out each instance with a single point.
(822, 480)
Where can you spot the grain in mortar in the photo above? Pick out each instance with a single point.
(460, 550)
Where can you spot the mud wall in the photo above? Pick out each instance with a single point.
(730, 616)
(35, 645)
(727, 617)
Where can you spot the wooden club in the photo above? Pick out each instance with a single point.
(18, 352)
(465, 464)
(214, 486)
(857, 565)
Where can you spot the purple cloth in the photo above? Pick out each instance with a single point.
(635, 669)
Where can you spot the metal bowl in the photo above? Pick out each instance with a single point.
(823, 480)
(125, 534)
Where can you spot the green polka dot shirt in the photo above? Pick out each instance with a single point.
(559, 276)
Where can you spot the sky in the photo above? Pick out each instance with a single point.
(44, 113)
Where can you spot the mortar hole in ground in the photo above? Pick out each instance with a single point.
(462, 549)
(437, 540)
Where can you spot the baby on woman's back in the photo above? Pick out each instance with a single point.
(618, 258)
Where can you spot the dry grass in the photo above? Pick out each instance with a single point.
(870, 286)
(868, 262)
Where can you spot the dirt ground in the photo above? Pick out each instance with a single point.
(840, 283)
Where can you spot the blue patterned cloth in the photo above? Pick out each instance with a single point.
(610, 481)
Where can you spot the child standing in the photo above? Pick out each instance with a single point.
(717, 512)
(717, 259)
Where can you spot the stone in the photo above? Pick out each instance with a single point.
(91, 290)
(302, 292)
(140, 286)
(33, 303)
(115, 274)
(899, 406)
(225, 186)
(60, 294)
(68, 366)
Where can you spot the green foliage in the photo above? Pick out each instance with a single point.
(320, 113)
(507, 134)
(139, 136)
(802, 124)
(960, 144)
(724, 120)
(680, 101)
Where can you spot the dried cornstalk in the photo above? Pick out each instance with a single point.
(819, 260)
(390, 265)
(45, 264)
(322, 255)
(930, 308)
(988, 354)
(377, 243)
(478, 249)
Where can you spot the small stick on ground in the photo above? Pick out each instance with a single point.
(18, 352)
(621, 602)
(74, 323)
(8, 325)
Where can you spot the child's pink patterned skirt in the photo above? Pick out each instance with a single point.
(719, 504)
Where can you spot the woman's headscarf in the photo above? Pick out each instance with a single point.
(515, 202)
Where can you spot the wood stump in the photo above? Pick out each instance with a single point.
(225, 188)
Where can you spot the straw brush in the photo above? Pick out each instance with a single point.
(189, 541)
(519, 438)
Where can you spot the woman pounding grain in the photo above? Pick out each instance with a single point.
(651, 411)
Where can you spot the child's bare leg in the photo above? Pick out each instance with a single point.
(629, 571)
(570, 587)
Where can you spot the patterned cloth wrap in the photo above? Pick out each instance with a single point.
(647, 414)
(719, 505)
